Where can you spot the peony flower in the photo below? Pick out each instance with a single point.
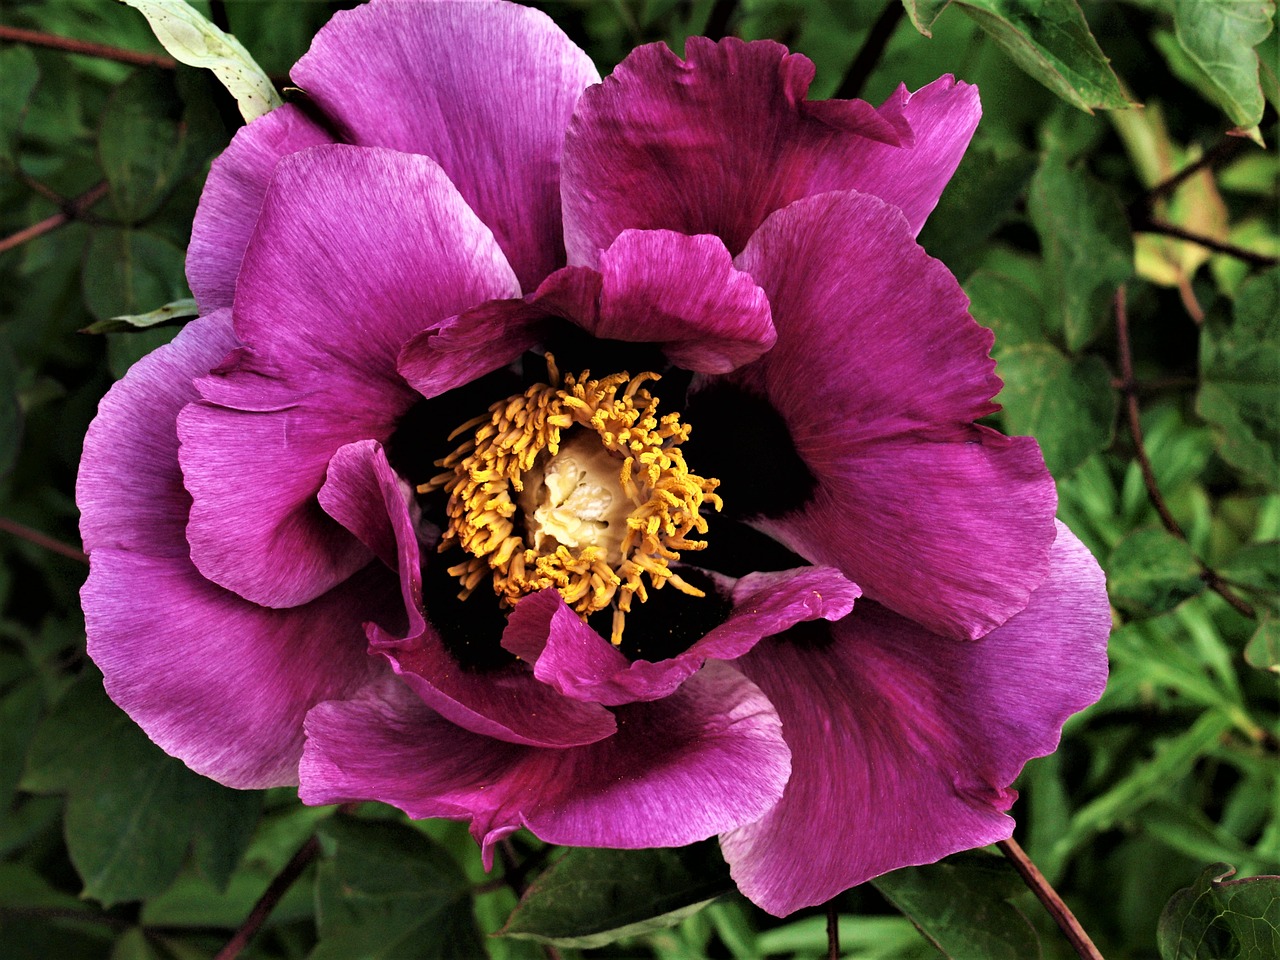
(537, 438)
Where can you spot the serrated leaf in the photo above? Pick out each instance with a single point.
(1219, 36)
(1152, 571)
(19, 74)
(1240, 380)
(170, 313)
(589, 898)
(384, 890)
(1263, 650)
(1221, 919)
(193, 40)
(961, 905)
(1087, 247)
(1051, 41)
(1068, 405)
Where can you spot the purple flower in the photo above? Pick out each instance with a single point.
(464, 229)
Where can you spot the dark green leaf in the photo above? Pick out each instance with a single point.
(1219, 37)
(130, 272)
(1051, 41)
(592, 897)
(10, 410)
(384, 890)
(962, 905)
(1007, 306)
(1263, 650)
(222, 822)
(1220, 919)
(142, 143)
(19, 710)
(1240, 372)
(1087, 247)
(169, 313)
(1068, 405)
(19, 74)
(985, 187)
(1152, 571)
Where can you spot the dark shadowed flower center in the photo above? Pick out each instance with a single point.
(577, 485)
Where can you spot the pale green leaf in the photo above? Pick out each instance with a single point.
(1219, 37)
(1221, 919)
(181, 309)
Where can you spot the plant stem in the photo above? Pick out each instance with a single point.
(721, 16)
(73, 210)
(1060, 912)
(43, 540)
(35, 38)
(871, 51)
(270, 898)
(1129, 388)
(1148, 225)
(833, 931)
(1227, 148)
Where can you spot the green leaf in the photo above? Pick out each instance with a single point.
(592, 897)
(1240, 373)
(1219, 37)
(1006, 305)
(193, 40)
(1220, 919)
(19, 74)
(1152, 571)
(1263, 650)
(923, 13)
(19, 710)
(1068, 405)
(143, 144)
(384, 890)
(10, 410)
(129, 272)
(961, 905)
(983, 190)
(168, 314)
(1087, 247)
(1051, 41)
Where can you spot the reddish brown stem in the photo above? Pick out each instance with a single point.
(1045, 893)
(1149, 225)
(1227, 148)
(71, 211)
(1129, 388)
(872, 49)
(272, 896)
(35, 38)
(833, 931)
(43, 540)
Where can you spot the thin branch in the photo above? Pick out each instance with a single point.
(1149, 225)
(721, 16)
(833, 931)
(73, 210)
(1227, 148)
(1060, 912)
(1129, 388)
(270, 898)
(871, 51)
(35, 38)
(43, 540)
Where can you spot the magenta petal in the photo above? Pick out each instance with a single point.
(216, 681)
(947, 523)
(478, 341)
(484, 89)
(684, 293)
(577, 661)
(352, 495)
(710, 754)
(356, 250)
(716, 142)
(233, 195)
(904, 743)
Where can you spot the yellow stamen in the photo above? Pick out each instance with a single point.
(482, 473)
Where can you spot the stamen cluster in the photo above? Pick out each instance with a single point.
(482, 474)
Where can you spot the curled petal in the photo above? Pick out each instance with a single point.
(904, 743)
(712, 753)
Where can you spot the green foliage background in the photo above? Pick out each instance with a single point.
(112, 849)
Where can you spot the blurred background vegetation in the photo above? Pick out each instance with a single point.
(1158, 411)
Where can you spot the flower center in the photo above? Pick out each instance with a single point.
(576, 485)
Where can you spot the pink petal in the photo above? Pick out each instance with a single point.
(356, 250)
(905, 743)
(233, 196)
(577, 661)
(716, 142)
(712, 753)
(879, 373)
(484, 89)
(212, 679)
